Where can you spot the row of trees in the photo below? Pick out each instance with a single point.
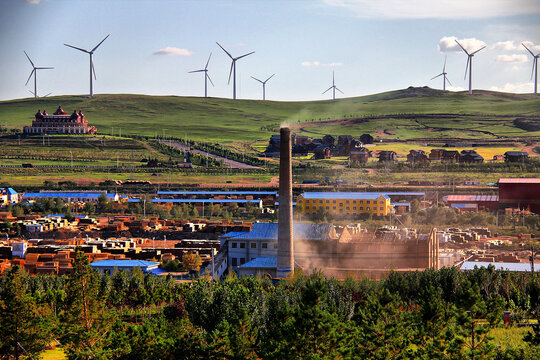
(443, 314)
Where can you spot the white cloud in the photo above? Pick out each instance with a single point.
(511, 58)
(448, 44)
(34, 2)
(515, 88)
(505, 45)
(316, 63)
(438, 9)
(173, 51)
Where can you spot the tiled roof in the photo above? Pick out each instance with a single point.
(301, 231)
(522, 267)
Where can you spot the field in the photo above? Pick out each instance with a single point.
(440, 115)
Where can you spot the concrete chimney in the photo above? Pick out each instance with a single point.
(285, 256)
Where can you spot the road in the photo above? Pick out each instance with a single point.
(230, 163)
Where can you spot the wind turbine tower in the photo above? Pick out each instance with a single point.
(34, 72)
(92, 70)
(445, 78)
(206, 76)
(469, 64)
(334, 87)
(263, 84)
(534, 71)
(233, 67)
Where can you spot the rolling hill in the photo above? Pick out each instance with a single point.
(401, 114)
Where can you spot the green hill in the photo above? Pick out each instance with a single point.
(441, 114)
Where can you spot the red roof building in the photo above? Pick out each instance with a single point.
(483, 202)
(520, 193)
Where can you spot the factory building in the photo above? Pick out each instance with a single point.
(478, 202)
(60, 123)
(345, 203)
(520, 193)
(70, 197)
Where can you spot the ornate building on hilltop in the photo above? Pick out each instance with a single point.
(60, 123)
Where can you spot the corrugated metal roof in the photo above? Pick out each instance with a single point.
(301, 231)
(261, 262)
(482, 198)
(233, 234)
(344, 195)
(67, 195)
(123, 263)
(522, 267)
(465, 206)
(401, 204)
(519, 181)
(10, 191)
(217, 192)
(200, 201)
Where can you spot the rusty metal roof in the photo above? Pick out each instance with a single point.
(519, 181)
(478, 198)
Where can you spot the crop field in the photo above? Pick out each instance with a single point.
(444, 114)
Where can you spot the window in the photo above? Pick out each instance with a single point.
(354, 207)
(253, 245)
(381, 209)
(347, 201)
(265, 245)
(242, 261)
(347, 208)
(320, 201)
(327, 201)
(367, 201)
(333, 201)
(361, 208)
(234, 262)
(333, 207)
(233, 245)
(367, 208)
(382, 202)
(328, 208)
(242, 245)
(340, 204)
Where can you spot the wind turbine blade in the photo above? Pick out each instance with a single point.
(208, 76)
(44, 68)
(31, 92)
(225, 50)
(529, 50)
(444, 67)
(194, 71)
(340, 90)
(206, 67)
(245, 55)
(94, 49)
(327, 90)
(269, 78)
(230, 72)
(467, 67)
(94, 70)
(48, 94)
(478, 50)
(446, 77)
(33, 70)
(436, 76)
(254, 78)
(86, 51)
(462, 47)
(332, 77)
(29, 59)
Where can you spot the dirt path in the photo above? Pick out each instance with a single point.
(231, 163)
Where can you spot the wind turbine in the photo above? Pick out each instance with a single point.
(34, 72)
(206, 76)
(534, 68)
(333, 87)
(92, 70)
(263, 84)
(469, 64)
(445, 78)
(233, 67)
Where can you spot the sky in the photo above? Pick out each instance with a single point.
(371, 45)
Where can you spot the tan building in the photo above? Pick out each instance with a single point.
(345, 203)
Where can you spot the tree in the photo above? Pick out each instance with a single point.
(89, 208)
(25, 327)
(87, 322)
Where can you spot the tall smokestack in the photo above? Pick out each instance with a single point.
(285, 256)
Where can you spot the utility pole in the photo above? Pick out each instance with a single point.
(212, 252)
(533, 254)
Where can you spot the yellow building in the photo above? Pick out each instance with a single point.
(345, 203)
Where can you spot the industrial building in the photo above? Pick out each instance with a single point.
(473, 202)
(70, 197)
(520, 193)
(109, 266)
(345, 203)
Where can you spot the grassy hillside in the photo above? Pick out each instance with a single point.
(485, 114)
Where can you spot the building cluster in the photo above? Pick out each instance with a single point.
(60, 123)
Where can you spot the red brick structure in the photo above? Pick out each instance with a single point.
(60, 123)
(520, 193)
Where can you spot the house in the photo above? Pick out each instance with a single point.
(450, 155)
(366, 139)
(470, 157)
(359, 156)
(8, 196)
(322, 152)
(387, 156)
(436, 154)
(417, 156)
(515, 156)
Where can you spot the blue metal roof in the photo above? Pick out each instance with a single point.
(234, 234)
(401, 204)
(344, 195)
(67, 195)
(10, 191)
(56, 215)
(199, 201)
(301, 231)
(521, 267)
(157, 271)
(217, 192)
(123, 263)
(261, 262)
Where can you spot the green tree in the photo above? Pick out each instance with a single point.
(25, 327)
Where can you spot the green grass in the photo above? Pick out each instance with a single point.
(55, 354)
(511, 337)
(231, 121)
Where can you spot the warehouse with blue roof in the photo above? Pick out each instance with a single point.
(70, 196)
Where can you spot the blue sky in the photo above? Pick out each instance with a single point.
(372, 45)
